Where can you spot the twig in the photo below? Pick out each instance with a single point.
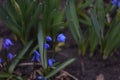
(65, 73)
(29, 64)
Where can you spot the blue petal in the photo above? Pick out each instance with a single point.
(61, 38)
(37, 58)
(48, 38)
(7, 43)
(51, 61)
(36, 53)
(1, 60)
(10, 56)
(119, 4)
(33, 58)
(46, 46)
(114, 2)
(41, 78)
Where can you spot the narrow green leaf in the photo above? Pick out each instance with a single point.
(101, 15)
(84, 5)
(74, 23)
(95, 24)
(92, 39)
(41, 47)
(5, 75)
(17, 7)
(19, 57)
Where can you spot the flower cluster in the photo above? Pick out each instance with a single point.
(36, 56)
(116, 3)
(60, 38)
(7, 43)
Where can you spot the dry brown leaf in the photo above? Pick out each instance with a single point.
(100, 77)
(1, 43)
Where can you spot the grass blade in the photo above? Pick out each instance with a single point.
(41, 47)
(73, 20)
(95, 24)
(5, 75)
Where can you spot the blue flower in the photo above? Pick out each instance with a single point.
(41, 78)
(36, 56)
(48, 38)
(61, 38)
(119, 4)
(46, 46)
(116, 3)
(1, 60)
(7, 43)
(51, 61)
(10, 56)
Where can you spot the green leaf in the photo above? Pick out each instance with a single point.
(41, 42)
(66, 63)
(17, 7)
(5, 75)
(92, 39)
(95, 24)
(74, 23)
(19, 57)
(112, 40)
(101, 15)
(82, 6)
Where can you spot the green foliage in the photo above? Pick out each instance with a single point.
(21, 16)
(51, 17)
(51, 23)
(41, 41)
(74, 20)
(98, 19)
(7, 76)
(74, 23)
(43, 56)
(112, 38)
(96, 25)
(43, 18)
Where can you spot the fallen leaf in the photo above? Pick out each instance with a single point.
(100, 77)
(1, 43)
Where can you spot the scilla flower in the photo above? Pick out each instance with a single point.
(48, 38)
(51, 61)
(46, 46)
(7, 43)
(116, 3)
(10, 56)
(61, 38)
(36, 56)
(41, 78)
(1, 60)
